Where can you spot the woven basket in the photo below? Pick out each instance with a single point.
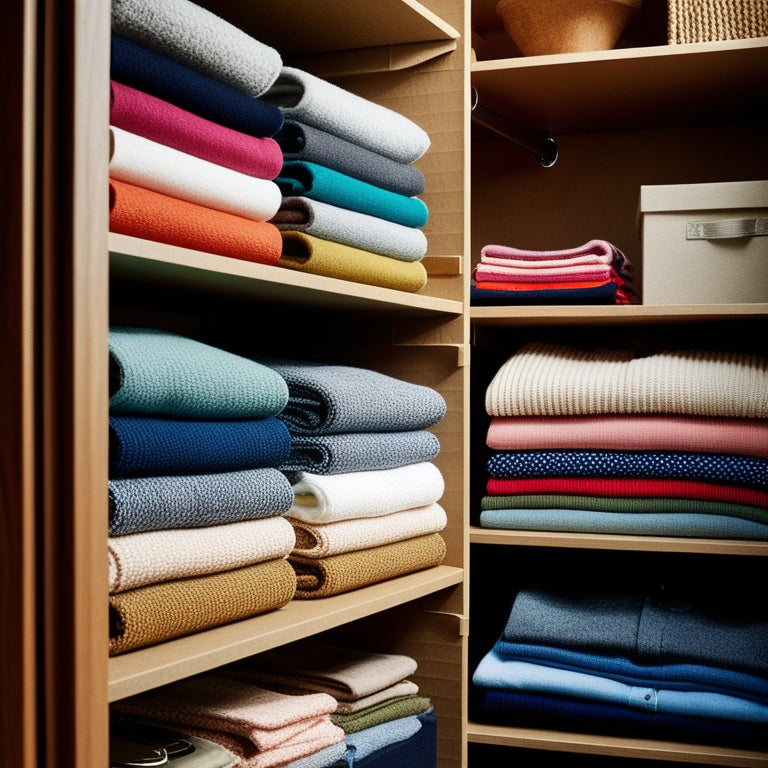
(700, 21)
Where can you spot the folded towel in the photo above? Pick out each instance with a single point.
(604, 293)
(359, 451)
(326, 539)
(145, 115)
(144, 445)
(158, 612)
(586, 272)
(674, 465)
(304, 142)
(311, 100)
(676, 432)
(370, 740)
(151, 165)
(311, 665)
(299, 178)
(358, 230)
(329, 399)
(554, 380)
(305, 253)
(139, 559)
(594, 251)
(139, 504)
(330, 498)
(150, 215)
(153, 371)
(385, 712)
(326, 576)
(401, 688)
(198, 38)
(146, 70)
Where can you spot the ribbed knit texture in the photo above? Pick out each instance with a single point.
(550, 379)
(323, 577)
(330, 498)
(159, 612)
(326, 539)
(701, 21)
(311, 100)
(387, 711)
(359, 451)
(135, 159)
(153, 371)
(198, 38)
(145, 445)
(140, 559)
(139, 504)
(329, 399)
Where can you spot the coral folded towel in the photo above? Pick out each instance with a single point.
(150, 215)
(159, 612)
(153, 118)
(326, 576)
(149, 164)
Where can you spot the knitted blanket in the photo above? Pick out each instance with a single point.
(146, 70)
(153, 503)
(304, 142)
(137, 160)
(676, 432)
(329, 399)
(550, 379)
(305, 253)
(198, 38)
(326, 576)
(419, 751)
(330, 498)
(367, 741)
(674, 465)
(146, 115)
(153, 371)
(145, 445)
(326, 539)
(139, 559)
(385, 712)
(359, 451)
(158, 612)
(300, 178)
(313, 666)
(683, 524)
(313, 101)
(348, 227)
(150, 215)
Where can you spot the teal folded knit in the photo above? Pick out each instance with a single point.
(163, 373)
(302, 179)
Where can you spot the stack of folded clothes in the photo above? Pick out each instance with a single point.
(385, 718)
(594, 273)
(659, 661)
(366, 489)
(350, 205)
(669, 442)
(193, 154)
(197, 533)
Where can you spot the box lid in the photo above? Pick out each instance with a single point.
(695, 197)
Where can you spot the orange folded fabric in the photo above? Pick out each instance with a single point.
(150, 215)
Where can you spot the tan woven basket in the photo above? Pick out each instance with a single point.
(700, 21)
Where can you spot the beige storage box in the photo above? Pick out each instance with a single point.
(704, 243)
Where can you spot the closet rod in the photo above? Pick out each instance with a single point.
(545, 149)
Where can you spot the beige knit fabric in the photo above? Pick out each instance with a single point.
(138, 559)
(543, 379)
(159, 612)
(701, 21)
(325, 539)
(326, 576)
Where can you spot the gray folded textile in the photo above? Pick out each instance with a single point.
(308, 99)
(191, 501)
(343, 225)
(331, 399)
(304, 142)
(194, 36)
(359, 451)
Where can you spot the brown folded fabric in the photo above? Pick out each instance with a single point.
(326, 576)
(159, 612)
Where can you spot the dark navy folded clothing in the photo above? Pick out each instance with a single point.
(146, 70)
(601, 294)
(144, 446)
